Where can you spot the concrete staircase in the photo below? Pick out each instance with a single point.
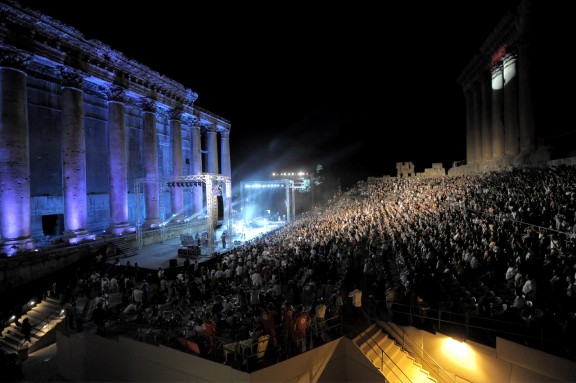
(394, 363)
(125, 246)
(45, 317)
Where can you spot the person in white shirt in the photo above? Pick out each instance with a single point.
(356, 296)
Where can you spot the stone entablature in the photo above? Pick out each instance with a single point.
(80, 123)
(53, 44)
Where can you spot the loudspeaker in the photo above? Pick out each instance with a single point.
(220, 208)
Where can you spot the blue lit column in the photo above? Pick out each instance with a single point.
(197, 193)
(225, 153)
(118, 165)
(212, 148)
(226, 171)
(74, 157)
(176, 193)
(150, 157)
(14, 157)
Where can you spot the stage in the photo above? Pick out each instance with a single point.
(165, 254)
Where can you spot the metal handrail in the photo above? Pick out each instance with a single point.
(435, 367)
(367, 339)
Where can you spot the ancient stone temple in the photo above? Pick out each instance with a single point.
(516, 109)
(79, 124)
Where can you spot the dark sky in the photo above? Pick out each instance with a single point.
(354, 87)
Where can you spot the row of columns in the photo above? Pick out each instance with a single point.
(499, 117)
(15, 192)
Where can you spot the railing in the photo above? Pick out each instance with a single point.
(409, 345)
(245, 353)
(383, 357)
(43, 325)
(550, 337)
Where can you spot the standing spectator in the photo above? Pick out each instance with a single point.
(223, 239)
(337, 302)
(287, 323)
(210, 332)
(320, 318)
(268, 323)
(356, 296)
(26, 328)
(99, 316)
(70, 311)
(302, 321)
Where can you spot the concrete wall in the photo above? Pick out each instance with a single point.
(508, 362)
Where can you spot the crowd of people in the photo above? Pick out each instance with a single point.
(498, 245)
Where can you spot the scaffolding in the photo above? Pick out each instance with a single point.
(212, 188)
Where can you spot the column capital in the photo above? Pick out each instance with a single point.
(175, 114)
(14, 59)
(148, 104)
(191, 96)
(116, 93)
(225, 134)
(212, 128)
(71, 78)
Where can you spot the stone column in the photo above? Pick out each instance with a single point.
(528, 138)
(497, 112)
(197, 193)
(486, 117)
(14, 154)
(469, 127)
(225, 153)
(176, 193)
(74, 158)
(150, 157)
(477, 122)
(212, 149)
(511, 129)
(118, 163)
(227, 186)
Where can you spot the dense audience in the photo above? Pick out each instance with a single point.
(497, 245)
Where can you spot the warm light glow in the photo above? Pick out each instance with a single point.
(459, 353)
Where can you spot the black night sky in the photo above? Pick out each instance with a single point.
(354, 87)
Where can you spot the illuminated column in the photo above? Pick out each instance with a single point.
(176, 194)
(150, 156)
(511, 133)
(14, 157)
(469, 127)
(225, 158)
(197, 194)
(497, 112)
(226, 171)
(477, 122)
(118, 164)
(225, 153)
(212, 149)
(486, 118)
(74, 157)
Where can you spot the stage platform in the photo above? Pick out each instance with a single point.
(165, 254)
